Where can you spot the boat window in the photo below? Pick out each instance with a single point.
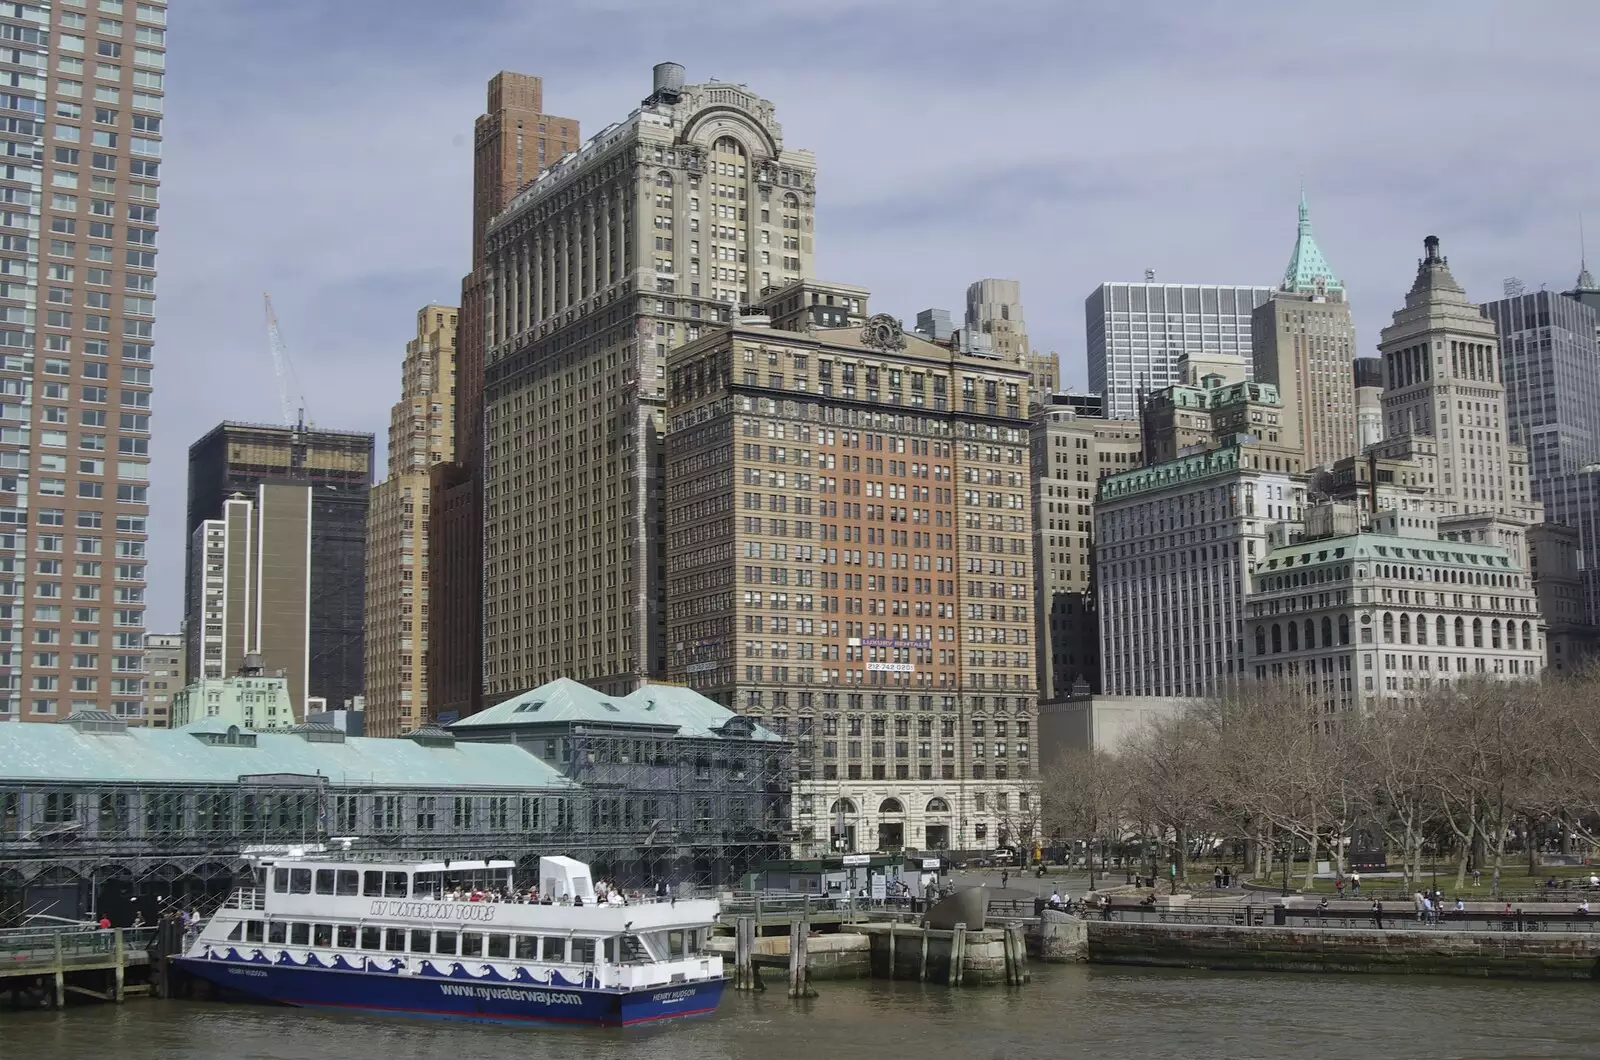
(527, 947)
(394, 938)
(394, 885)
(582, 951)
(346, 939)
(299, 881)
(371, 938)
(499, 945)
(426, 885)
(237, 933)
(372, 884)
(277, 932)
(444, 942)
(609, 953)
(633, 951)
(675, 942)
(471, 944)
(280, 880)
(299, 934)
(555, 949)
(253, 931)
(421, 941)
(324, 881)
(349, 883)
(322, 935)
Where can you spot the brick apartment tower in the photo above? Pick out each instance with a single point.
(81, 182)
(513, 141)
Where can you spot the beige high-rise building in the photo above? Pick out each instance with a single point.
(166, 673)
(1304, 342)
(1046, 375)
(81, 182)
(994, 308)
(848, 546)
(1443, 381)
(641, 241)
(1071, 453)
(251, 571)
(421, 434)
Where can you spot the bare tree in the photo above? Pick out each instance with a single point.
(1172, 781)
(1085, 795)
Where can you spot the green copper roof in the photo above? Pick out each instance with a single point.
(1308, 269)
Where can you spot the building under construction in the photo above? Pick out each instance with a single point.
(321, 479)
(97, 817)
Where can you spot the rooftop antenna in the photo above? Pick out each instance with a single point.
(1149, 276)
(282, 370)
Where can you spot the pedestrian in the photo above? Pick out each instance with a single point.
(1322, 910)
(1377, 914)
(1055, 899)
(1216, 878)
(1005, 877)
(1355, 884)
(1338, 886)
(1475, 875)
(104, 922)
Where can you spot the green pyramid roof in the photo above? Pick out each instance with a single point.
(1308, 270)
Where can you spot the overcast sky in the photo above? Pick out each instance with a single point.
(322, 151)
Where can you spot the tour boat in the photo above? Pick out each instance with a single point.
(426, 939)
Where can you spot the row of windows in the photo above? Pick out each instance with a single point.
(493, 946)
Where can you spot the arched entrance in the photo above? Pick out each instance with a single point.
(891, 825)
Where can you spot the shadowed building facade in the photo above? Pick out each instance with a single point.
(513, 142)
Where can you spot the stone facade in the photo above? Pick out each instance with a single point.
(1356, 620)
(641, 241)
(1178, 541)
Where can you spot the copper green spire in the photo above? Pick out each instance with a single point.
(1308, 270)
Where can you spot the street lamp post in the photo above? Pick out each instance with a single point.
(1287, 849)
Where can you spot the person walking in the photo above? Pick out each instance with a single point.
(1005, 878)
(1355, 884)
(1338, 886)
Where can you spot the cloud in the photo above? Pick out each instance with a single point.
(323, 152)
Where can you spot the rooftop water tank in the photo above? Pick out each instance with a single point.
(667, 83)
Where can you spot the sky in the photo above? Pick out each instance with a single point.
(321, 152)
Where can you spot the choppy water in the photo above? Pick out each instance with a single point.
(1067, 1011)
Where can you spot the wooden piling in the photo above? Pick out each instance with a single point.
(799, 978)
(1024, 974)
(743, 951)
(958, 954)
(891, 948)
(922, 963)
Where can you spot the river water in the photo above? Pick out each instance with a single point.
(1074, 1011)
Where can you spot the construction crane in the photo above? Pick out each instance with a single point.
(281, 368)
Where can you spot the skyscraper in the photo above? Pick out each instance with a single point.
(514, 142)
(994, 308)
(1137, 332)
(848, 548)
(399, 557)
(644, 239)
(80, 179)
(227, 467)
(1550, 345)
(1444, 380)
(1303, 342)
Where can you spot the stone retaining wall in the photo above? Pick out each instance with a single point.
(1508, 955)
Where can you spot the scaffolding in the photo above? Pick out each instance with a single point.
(695, 812)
